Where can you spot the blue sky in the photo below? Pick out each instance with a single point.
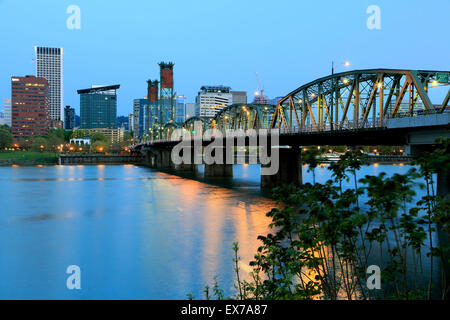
(211, 42)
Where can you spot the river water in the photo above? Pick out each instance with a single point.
(134, 232)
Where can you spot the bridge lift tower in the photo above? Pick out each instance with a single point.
(166, 93)
(151, 111)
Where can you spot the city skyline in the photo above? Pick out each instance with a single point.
(233, 151)
(254, 47)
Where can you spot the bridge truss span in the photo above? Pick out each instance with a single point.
(359, 99)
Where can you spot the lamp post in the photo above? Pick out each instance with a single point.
(333, 89)
(345, 63)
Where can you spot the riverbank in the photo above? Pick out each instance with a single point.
(28, 158)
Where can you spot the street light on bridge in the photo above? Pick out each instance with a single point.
(345, 63)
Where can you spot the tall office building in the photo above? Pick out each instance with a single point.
(130, 122)
(190, 110)
(77, 121)
(30, 104)
(69, 118)
(139, 106)
(180, 109)
(98, 107)
(50, 65)
(212, 99)
(239, 97)
(7, 112)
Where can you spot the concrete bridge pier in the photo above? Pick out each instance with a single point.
(219, 169)
(147, 158)
(150, 158)
(188, 167)
(166, 161)
(289, 172)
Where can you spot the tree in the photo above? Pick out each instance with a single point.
(6, 138)
(39, 144)
(98, 136)
(99, 146)
(67, 135)
(79, 133)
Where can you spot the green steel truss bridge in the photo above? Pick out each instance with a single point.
(355, 108)
(353, 100)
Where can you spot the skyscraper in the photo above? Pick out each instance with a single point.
(69, 118)
(212, 99)
(139, 106)
(180, 109)
(98, 107)
(30, 97)
(49, 65)
(130, 122)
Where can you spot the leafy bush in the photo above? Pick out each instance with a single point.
(323, 240)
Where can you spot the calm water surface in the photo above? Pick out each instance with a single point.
(134, 232)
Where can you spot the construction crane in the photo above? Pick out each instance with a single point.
(259, 99)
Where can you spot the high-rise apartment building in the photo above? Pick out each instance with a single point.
(98, 107)
(212, 99)
(50, 65)
(69, 118)
(30, 104)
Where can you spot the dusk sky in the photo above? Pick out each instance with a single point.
(288, 43)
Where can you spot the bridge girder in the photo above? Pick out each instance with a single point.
(168, 129)
(243, 116)
(348, 100)
(189, 124)
(357, 99)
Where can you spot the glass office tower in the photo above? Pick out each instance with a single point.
(98, 107)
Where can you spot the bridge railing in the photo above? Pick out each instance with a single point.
(415, 113)
(347, 125)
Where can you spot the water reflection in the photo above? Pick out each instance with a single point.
(135, 233)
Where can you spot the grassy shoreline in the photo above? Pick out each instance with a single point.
(8, 158)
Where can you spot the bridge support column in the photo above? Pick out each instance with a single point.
(289, 172)
(166, 161)
(219, 169)
(150, 158)
(188, 167)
